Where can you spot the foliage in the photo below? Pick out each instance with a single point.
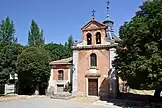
(7, 31)
(8, 60)
(69, 44)
(68, 87)
(33, 68)
(70, 41)
(57, 51)
(139, 56)
(35, 37)
(66, 44)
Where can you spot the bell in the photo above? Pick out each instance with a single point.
(98, 40)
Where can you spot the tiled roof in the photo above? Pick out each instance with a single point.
(62, 61)
(112, 36)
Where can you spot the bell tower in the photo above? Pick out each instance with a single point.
(93, 33)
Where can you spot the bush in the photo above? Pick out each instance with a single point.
(68, 87)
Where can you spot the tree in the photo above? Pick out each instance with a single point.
(69, 44)
(57, 51)
(139, 56)
(70, 41)
(66, 44)
(7, 31)
(8, 60)
(35, 37)
(33, 70)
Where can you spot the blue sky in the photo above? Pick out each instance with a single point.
(61, 18)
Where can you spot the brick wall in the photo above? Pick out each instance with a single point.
(65, 70)
(84, 67)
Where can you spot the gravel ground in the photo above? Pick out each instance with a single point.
(84, 99)
(48, 103)
(18, 97)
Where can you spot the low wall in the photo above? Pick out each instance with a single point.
(141, 92)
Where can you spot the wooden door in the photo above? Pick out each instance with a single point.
(93, 87)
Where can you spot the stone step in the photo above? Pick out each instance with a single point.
(62, 96)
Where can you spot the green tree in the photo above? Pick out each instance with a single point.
(7, 31)
(33, 69)
(57, 51)
(69, 44)
(139, 56)
(8, 60)
(35, 37)
(66, 44)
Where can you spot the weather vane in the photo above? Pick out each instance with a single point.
(93, 13)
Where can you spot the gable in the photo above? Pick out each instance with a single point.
(93, 24)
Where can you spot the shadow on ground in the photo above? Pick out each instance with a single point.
(128, 100)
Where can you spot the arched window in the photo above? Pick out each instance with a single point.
(98, 38)
(93, 58)
(89, 39)
(60, 75)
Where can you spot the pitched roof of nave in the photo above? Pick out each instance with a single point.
(62, 61)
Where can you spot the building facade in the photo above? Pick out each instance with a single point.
(61, 74)
(92, 60)
(90, 69)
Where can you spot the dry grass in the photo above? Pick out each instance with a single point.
(84, 99)
(142, 92)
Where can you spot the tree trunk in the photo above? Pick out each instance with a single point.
(157, 94)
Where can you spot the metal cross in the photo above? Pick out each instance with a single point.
(93, 13)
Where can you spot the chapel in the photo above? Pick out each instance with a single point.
(89, 70)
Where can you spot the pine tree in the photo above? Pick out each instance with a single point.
(66, 44)
(7, 31)
(69, 44)
(70, 41)
(35, 37)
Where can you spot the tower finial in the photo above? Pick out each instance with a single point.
(108, 7)
(93, 13)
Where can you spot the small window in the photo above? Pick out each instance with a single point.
(93, 58)
(89, 39)
(60, 75)
(98, 38)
